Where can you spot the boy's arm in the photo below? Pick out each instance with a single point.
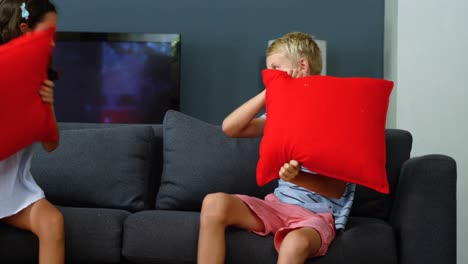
(325, 186)
(242, 122)
(320, 184)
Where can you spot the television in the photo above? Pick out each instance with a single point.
(126, 78)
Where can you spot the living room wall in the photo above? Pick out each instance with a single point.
(223, 42)
(428, 61)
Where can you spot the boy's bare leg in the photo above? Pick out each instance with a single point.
(298, 245)
(46, 222)
(220, 210)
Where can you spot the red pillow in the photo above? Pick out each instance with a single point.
(333, 126)
(24, 118)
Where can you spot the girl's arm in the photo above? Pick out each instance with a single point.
(47, 95)
(242, 122)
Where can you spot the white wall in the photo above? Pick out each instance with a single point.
(390, 56)
(431, 57)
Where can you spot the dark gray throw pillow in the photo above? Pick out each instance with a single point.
(199, 159)
(103, 167)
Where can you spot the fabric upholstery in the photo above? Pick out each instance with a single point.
(108, 167)
(199, 159)
(370, 203)
(333, 126)
(171, 237)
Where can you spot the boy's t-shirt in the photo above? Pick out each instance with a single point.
(290, 193)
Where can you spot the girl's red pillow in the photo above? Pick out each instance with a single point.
(24, 117)
(333, 126)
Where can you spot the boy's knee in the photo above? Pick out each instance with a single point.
(300, 244)
(215, 208)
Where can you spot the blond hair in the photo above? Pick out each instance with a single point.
(297, 45)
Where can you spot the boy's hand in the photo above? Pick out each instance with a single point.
(290, 170)
(47, 92)
(295, 73)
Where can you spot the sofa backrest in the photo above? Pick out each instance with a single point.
(199, 159)
(369, 203)
(172, 166)
(102, 165)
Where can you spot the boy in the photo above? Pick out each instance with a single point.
(305, 208)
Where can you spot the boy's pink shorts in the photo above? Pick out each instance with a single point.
(280, 218)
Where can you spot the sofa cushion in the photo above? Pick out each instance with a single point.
(199, 159)
(108, 167)
(159, 236)
(364, 241)
(91, 236)
(333, 126)
(13, 243)
(24, 117)
(172, 237)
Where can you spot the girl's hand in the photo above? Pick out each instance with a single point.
(289, 171)
(47, 92)
(47, 95)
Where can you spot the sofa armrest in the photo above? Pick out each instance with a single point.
(424, 211)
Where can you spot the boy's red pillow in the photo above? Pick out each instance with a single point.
(24, 117)
(333, 126)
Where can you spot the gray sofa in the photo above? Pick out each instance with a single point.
(132, 194)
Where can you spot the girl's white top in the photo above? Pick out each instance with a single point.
(17, 187)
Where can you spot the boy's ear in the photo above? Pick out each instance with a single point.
(304, 65)
(24, 28)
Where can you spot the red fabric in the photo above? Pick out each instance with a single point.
(333, 126)
(24, 118)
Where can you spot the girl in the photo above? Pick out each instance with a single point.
(22, 201)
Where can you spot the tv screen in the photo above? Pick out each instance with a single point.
(131, 78)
